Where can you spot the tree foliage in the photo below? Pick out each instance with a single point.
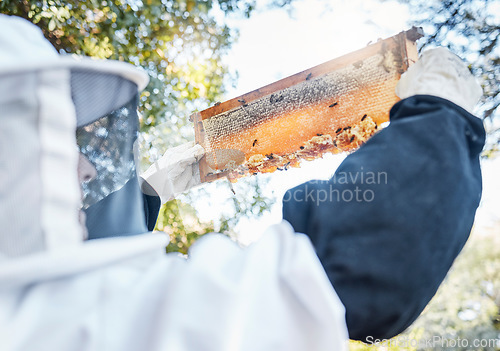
(183, 233)
(180, 220)
(471, 29)
(178, 42)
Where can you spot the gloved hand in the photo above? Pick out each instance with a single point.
(441, 73)
(176, 171)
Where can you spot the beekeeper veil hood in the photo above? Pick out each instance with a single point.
(44, 98)
(107, 128)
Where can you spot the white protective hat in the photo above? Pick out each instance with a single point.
(44, 96)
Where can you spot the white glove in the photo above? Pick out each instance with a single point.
(176, 171)
(441, 73)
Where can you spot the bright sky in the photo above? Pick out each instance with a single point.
(274, 45)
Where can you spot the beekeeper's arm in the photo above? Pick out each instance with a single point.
(399, 210)
(175, 172)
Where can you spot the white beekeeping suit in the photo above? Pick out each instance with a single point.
(59, 293)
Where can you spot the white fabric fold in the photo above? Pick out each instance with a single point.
(40, 196)
(272, 295)
(58, 154)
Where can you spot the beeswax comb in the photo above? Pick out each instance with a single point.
(333, 107)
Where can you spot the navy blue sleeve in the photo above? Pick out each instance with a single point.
(152, 206)
(389, 224)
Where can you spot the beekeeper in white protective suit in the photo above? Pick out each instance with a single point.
(122, 292)
(60, 293)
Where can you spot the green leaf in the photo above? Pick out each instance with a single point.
(52, 24)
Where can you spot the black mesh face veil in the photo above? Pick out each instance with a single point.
(107, 127)
(108, 144)
(106, 110)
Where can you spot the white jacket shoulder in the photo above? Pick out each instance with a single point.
(271, 295)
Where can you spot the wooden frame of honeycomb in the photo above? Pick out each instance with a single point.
(333, 107)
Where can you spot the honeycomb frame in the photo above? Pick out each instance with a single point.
(338, 105)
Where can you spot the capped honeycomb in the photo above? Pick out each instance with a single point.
(333, 107)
